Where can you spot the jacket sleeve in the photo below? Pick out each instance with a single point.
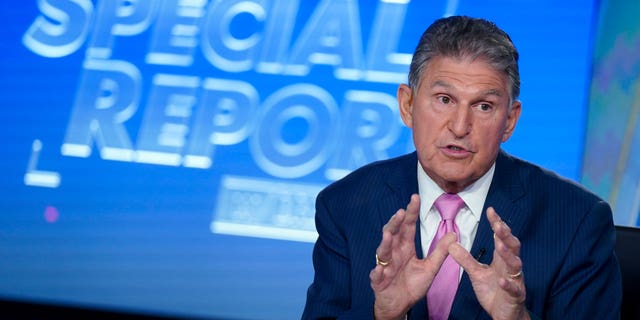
(589, 284)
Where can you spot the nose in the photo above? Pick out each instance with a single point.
(460, 121)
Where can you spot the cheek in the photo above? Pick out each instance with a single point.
(424, 124)
(494, 129)
(491, 137)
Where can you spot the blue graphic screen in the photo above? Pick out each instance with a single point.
(163, 156)
(611, 165)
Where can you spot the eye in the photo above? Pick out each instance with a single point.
(444, 99)
(485, 107)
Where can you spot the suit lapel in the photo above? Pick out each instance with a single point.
(505, 191)
(402, 181)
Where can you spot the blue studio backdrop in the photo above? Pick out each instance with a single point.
(163, 156)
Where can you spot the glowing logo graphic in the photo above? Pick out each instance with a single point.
(186, 85)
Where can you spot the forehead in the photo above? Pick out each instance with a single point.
(464, 73)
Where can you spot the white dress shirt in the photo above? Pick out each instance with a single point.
(468, 217)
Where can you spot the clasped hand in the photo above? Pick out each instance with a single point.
(400, 279)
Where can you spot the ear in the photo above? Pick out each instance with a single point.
(405, 104)
(512, 120)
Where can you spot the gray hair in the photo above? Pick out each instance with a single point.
(466, 37)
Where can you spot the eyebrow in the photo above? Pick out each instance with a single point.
(440, 83)
(493, 92)
(489, 92)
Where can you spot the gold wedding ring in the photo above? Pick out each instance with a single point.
(380, 262)
(515, 276)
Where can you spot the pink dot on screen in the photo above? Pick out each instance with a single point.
(51, 214)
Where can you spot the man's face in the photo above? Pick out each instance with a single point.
(459, 116)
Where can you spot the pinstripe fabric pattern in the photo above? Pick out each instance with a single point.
(566, 232)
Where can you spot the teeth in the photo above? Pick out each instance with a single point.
(455, 148)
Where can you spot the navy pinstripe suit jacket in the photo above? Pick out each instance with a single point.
(567, 236)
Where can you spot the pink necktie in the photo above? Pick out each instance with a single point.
(445, 284)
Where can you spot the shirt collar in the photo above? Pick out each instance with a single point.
(474, 195)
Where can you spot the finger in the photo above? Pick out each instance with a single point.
(393, 225)
(509, 256)
(433, 262)
(505, 264)
(399, 231)
(499, 227)
(515, 289)
(512, 263)
(503, 232)
(381, 277)
(376, 276)
(441, 251)
(389, 231)
(507, 246)
(493, 216)
(413, 208)
(412, 213)
(465, 259)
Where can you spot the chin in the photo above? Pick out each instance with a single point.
(454, 178)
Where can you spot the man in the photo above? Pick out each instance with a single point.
(526, 243)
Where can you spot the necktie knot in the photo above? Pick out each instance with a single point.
(448, 204)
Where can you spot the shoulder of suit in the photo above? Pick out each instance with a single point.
(376, 172)
(532, 174)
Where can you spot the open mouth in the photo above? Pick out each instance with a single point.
(457, 151)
